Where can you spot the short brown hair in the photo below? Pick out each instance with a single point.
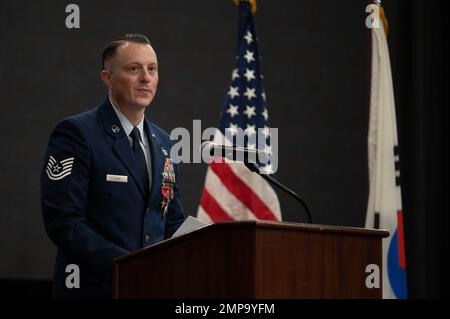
(110, 50)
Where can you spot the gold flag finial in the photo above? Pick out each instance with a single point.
(252, 4)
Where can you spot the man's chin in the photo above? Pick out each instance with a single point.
(143, 103)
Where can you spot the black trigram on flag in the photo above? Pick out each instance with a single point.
(397, 166)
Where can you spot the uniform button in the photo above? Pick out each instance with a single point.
(147, 210)
(147, 238)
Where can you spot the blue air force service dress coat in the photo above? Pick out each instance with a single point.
(93, 203)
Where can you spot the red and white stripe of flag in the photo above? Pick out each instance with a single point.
(233, 192)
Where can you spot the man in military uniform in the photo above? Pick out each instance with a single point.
(108, 185)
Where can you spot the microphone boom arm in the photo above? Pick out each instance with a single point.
(255, 169)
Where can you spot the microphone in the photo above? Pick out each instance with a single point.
(233, 153)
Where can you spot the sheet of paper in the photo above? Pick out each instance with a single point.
(189, 224)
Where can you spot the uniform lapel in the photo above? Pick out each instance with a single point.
(158, 159)
(121, 144)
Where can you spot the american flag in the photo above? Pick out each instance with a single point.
(231, 191)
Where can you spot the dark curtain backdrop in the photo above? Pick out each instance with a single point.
(316, 62)
(418, 41)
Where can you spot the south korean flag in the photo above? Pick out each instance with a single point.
(58, 170)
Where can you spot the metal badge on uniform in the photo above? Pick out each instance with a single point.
(115, 129)
(117, 178)
(168, 182)
(58, 170)
(164, 151)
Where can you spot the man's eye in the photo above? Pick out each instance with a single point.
(133, 69)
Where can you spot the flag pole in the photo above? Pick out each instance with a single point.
(252, 4)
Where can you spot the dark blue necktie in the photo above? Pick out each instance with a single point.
(140, 158)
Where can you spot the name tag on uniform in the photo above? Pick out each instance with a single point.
(117, 178)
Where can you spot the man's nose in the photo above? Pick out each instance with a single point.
(145, 76)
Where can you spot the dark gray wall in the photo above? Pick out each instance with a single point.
(316, 66)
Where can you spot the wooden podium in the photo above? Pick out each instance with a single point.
(254, 259)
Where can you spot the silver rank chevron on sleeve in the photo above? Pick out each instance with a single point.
(58, 170)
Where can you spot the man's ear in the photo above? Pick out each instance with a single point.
(106, 78)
